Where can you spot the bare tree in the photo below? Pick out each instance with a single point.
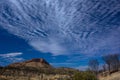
(107, 60)
(104, 68)
(115, 62)
(93, 65)
(112, 60)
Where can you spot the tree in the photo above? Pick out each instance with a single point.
(112, 60)
(115, 62)
(93, 65)
(104, 68)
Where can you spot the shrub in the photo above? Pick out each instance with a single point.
(84, 76)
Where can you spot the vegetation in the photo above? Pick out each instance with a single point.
(93, 65)
(112, 61)
(87, 75)
(112, 64)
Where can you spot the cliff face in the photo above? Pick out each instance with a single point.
(34, 63)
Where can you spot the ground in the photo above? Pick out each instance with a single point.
(114, 76)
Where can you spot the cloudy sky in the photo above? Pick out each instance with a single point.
(64, 32)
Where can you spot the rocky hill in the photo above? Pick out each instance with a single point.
(34, 63)
(35, 69)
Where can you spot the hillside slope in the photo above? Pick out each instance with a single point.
(114, 76)
(34, 63)
(35, 69)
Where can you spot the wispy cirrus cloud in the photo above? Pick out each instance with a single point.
(11, 54)
(64, 27)
(10, 58)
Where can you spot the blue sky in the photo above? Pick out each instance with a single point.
(64, 32)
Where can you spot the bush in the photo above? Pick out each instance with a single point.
(84, 76)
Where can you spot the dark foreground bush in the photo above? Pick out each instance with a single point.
(3, 78)
(84, 76)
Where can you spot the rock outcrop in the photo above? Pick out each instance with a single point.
(34, 63)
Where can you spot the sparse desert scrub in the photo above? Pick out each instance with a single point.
(84, 76)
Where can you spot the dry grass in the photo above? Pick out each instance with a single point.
(114, 76)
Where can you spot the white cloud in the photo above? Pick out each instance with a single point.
(64, 27)
(48, 47)
(8, 58)
(8, 55)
